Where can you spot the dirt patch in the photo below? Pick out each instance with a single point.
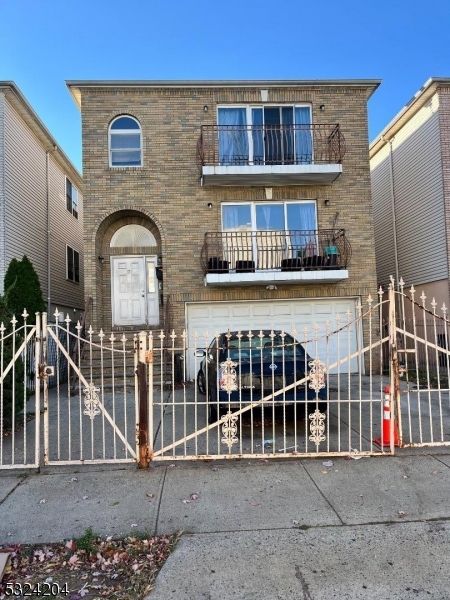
(90, 567)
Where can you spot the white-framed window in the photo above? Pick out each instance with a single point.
(72, 265)
(71, 198)
(270, 216)
(262, 234)
(125, 142)
(265, 135)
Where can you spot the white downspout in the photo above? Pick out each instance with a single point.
(49, 240)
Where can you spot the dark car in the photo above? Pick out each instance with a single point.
(257, 367)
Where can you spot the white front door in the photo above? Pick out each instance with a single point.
(135, 292)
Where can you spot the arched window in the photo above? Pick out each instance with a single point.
(125, 142)
(132, 235)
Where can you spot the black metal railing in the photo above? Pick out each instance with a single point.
(289, 250)
(243, 145)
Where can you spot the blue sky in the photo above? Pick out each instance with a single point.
(50, 41)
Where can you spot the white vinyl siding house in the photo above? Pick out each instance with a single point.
(33, 201)
(383, 216)
(408, 196)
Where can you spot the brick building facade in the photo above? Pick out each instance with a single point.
(176, 200)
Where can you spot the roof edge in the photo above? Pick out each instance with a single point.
(17, 97)
(76, 85)
(428, 89)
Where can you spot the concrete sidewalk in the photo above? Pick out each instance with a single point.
(370, 528)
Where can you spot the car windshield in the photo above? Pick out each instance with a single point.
(265, 346)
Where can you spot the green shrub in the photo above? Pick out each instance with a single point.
(22, 290)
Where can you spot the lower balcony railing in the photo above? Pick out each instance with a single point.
(240, 252)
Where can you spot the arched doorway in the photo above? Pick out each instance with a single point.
(134, 280)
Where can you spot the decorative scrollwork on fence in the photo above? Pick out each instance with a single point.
(229, 429)
(317, 427)
(316, 375)
(91, 401)
(228, 376)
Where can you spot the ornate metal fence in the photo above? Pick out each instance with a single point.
(272, 393)
(354, 386)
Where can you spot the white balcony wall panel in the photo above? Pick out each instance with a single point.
(383, 221)
(25, 190)
(419, 198)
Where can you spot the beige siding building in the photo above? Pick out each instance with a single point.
(223, 205)
(410, 175)
(41, 204)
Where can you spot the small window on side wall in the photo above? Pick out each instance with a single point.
(71, 198)
(73, 265)
(125, 142)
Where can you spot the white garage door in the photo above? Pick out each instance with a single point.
(215, 317)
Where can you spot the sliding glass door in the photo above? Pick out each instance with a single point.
(265, 233)
(269, 135)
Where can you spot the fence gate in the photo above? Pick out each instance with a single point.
(421, 368)
(269, 393)
(19, 414)
(91, 416)
(72, 398)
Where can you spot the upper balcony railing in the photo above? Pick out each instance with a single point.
(264, 145)
(290, 250)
